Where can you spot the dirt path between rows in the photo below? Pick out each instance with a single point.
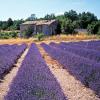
(72, 88)
(4, 86)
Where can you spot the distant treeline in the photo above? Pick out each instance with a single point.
(68, 22)
(10, 25)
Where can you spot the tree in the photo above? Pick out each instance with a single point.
(68, 27)
(4, 25)
(58, 29)
(52, 16)
(31, 18)
(98, 31)
(16, 24)
(9, 22)
(0, 25)
(87, 18)
(72, 15)
(49, 17)
(76, 24)
(94, 28)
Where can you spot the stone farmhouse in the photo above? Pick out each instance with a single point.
(48, 27)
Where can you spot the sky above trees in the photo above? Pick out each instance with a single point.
(17, 9)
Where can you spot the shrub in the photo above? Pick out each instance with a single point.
(98, 31)
(28, 33)
(7, 35)
(94, 28)
(40, 36)
(13, 34)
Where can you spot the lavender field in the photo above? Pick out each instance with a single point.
(8, 56)
(34, 79)
(81, 59)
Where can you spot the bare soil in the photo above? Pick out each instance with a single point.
(72, 88)
(5, 84)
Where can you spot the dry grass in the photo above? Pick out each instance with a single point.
(9, 31)
(16, 41)
(73, 37)
(51, 39)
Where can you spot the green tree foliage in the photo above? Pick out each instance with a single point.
(68, 27)
(16, 24)
(77, 24)
(31, 18)
(10, 25)
(40, 36)
(72, 15)
(28, 33)
(71, 20)
(49, 17)
(58, 29)
(4, 26)
(7, 35)
(9, 22)
(94, 28)
(86, 18)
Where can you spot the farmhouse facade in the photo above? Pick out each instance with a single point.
(48, 27)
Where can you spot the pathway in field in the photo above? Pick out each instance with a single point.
(72, 88)
(4, 86)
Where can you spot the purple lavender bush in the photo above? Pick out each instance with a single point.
(81, 68)
(94, 45)
(34, 81)
(8, 57)
(82, 51)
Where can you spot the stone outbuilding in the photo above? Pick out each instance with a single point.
(48, 27)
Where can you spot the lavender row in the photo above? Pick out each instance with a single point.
(89, 43)
(95, 45)
(83, 69)
(34, 81)
(83, 44)
(90, 54)
(8, 56)
(84, 52)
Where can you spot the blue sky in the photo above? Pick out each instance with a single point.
(17, 9)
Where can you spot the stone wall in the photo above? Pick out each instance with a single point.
(24, 27)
